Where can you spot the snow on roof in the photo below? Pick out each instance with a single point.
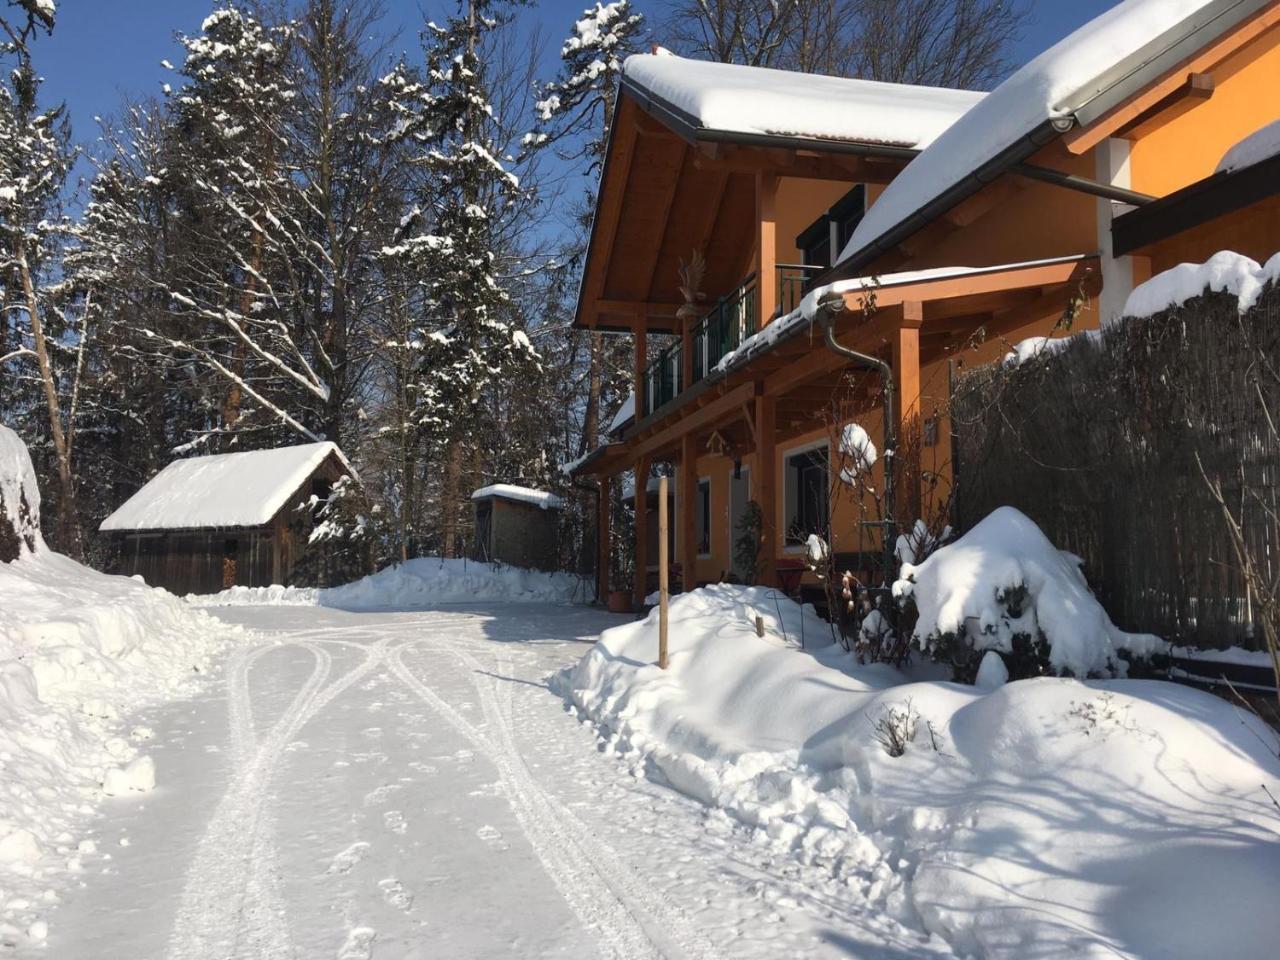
(224, 490)
(1260, 145)
(626, 411)
(509, 491)
(1225, 272)
(1053, 86)
(757, 100)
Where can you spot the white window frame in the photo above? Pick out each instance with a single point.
(787, 454)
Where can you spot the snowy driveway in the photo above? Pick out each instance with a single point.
(403, 785)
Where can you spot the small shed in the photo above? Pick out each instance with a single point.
(517, 525)
(203, 524)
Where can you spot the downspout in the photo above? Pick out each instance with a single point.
(830, 304)
(594, 491)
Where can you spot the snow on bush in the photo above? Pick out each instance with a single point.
(1003, 582)
(856, 445)
(1225, 272)
(416, 584)
(1045, 817)
(19, 499)
(79, 653)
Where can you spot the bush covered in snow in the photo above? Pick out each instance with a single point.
(79, 653)
(1004, 587)
(416, 584)
(1041, 818)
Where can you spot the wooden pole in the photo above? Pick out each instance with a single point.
(662, 572)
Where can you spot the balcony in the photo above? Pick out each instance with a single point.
(720, 331)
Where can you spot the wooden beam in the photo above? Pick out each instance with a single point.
(724, 405)
(640, 365)
(707, 224)
(646, 269)
(685, 511)
(765, 482)
(802, 164)
(906, 384)
(1196, 90)
(604, 228)
(641, 507)
(766, 246)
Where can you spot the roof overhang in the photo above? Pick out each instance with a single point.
(1195, 205)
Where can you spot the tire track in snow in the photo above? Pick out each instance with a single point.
(629, 921)
(231, 904)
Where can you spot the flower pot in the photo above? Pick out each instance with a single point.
(620, 601)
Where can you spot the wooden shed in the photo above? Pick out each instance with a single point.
(517, 525)
(203, 524)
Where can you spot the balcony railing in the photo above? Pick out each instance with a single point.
(721, 331)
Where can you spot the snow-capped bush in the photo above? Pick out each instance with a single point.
(19, 499)
(859, 452)
(1004, 587)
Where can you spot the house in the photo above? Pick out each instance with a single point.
(203, 524)
(517, 525)
(766, 224)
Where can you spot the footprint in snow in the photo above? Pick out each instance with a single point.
(348, 858)
(394, 893)
(492, 836)
(358, 945)
(395, 821)
(380, 794)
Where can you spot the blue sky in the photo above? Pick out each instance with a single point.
(104, 50)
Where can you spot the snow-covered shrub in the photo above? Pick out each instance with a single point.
(1004, 587)
(857, 451)
(19, 499)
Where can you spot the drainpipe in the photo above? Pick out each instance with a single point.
(829, 305)
(594, 491)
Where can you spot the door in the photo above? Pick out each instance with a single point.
(739, 494)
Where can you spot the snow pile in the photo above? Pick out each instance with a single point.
(509, 491)
(1004, 579)
(19, 499)
(1260, 145)
(758, 100)
(1045, 817)
(1053, 86)
(856, 444)
(1224, 272)
(415, 584)
(79, 652)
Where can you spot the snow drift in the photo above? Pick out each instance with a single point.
(1003, 580)
(79, 652)
(1041, 818)
(417, 584)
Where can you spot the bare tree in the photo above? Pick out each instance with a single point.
(949, 43)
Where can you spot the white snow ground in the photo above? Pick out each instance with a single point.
(398, 785)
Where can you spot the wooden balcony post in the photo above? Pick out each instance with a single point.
(640, 387)
(642, 530)
(686, 354)
(906, 390)
(765, 481)
(686, 493)
(766, 247)
(604, 546)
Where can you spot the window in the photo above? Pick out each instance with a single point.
(805, 488)
(821, 242)
(702, 517)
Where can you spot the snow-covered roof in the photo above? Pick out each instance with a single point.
(1090, 68)
(756, 100)
(626, 411)
(509, 491)
(1262, 144)
(224, 490)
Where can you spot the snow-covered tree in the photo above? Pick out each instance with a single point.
(35, 156)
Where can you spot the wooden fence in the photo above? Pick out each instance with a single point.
(1098, 442)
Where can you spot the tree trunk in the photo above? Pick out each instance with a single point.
(591, 417)
(449, 496)
(68, 523)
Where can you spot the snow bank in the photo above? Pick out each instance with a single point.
(416, 584)
(79, 653)
(1262, 144)
(1224, 272)
(1039, 818)
(1004, 579)
(19, 499)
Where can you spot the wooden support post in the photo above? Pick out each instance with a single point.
(686, 353)
(604, 548)
(765, 482)
(642, 531)
(686, 494)
(663, 563)
(906, 391)
(640, 387)
(766, 246)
